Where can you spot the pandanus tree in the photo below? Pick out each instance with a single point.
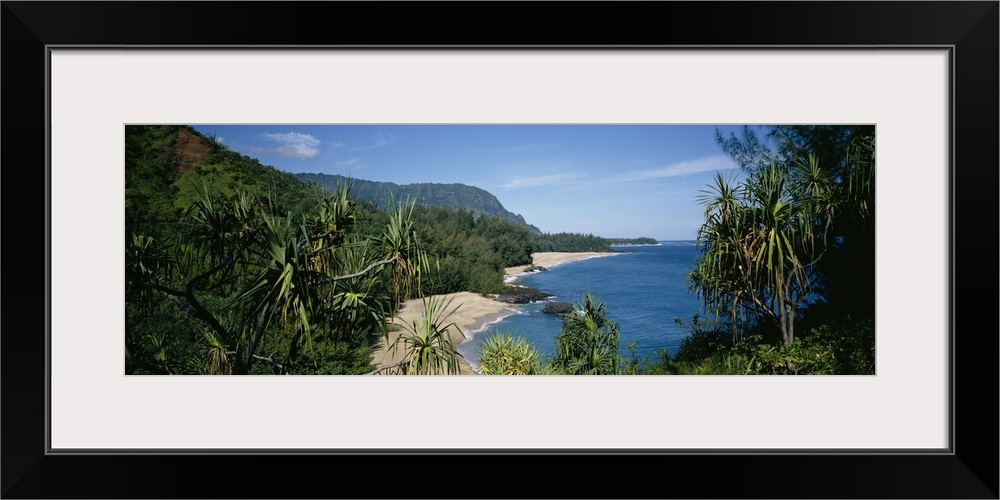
(427, 343)
(248, 274)
(589, 342)
(762, 240)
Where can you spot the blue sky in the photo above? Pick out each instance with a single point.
(608, 180)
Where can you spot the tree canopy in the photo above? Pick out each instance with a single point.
(783, 239)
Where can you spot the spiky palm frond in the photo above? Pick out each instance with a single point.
(218, 361)
(758, 252)
(503, 354)
(589, 342)
(426, 341)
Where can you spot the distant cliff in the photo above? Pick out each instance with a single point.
(436, 195)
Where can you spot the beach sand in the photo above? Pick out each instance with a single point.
(548, 259)
(473, 311)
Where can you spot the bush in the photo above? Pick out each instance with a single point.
(705, 340)
(850, 342)
(337, 359)
(844, 347)
(660, 365)
(503, 354)
(797, 358)
(589, 342)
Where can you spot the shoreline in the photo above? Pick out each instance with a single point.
(474, 311)
(551, 259)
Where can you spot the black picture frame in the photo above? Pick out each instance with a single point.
(969, 28)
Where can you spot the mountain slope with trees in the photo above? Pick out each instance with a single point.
(453, 196)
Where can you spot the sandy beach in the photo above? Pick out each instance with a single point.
(474, 310)
(549, 259)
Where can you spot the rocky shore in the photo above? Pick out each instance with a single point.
(520, 294)
(557, 308)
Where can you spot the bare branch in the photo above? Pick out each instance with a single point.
(365, 270)
(270, 359)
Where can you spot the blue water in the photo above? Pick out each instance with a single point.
(644, 288)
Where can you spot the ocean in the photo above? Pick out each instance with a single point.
(644, 288)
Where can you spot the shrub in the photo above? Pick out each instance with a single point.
(705, 340)
(503, 354)
(589, 342)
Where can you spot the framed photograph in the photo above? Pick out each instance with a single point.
(924, 74)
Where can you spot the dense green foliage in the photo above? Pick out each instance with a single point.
(632, 241)
(764, 240)
(453, 196)
(247, 284)
(503, 354)
(469, 252)
(570, 242)
(846, 156)
(232, 267)
(165, 163)
(228, 171)
(589, 342)
(149, 175)
(786, 258)
(844, 347)
(469, 237)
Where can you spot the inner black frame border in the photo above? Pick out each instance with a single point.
(970, 29)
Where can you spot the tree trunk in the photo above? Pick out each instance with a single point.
(243, 367)
(787, 322)
(293, 350)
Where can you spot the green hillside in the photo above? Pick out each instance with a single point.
(454, 196)
(164, 163)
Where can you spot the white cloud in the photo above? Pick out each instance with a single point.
(543, 180)
(706, 164)
(347, 162)
(293, 145)
(293, 138)
(380, 139)
(301, 151)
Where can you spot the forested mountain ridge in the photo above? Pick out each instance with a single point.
(454, 196)
(164, 163)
